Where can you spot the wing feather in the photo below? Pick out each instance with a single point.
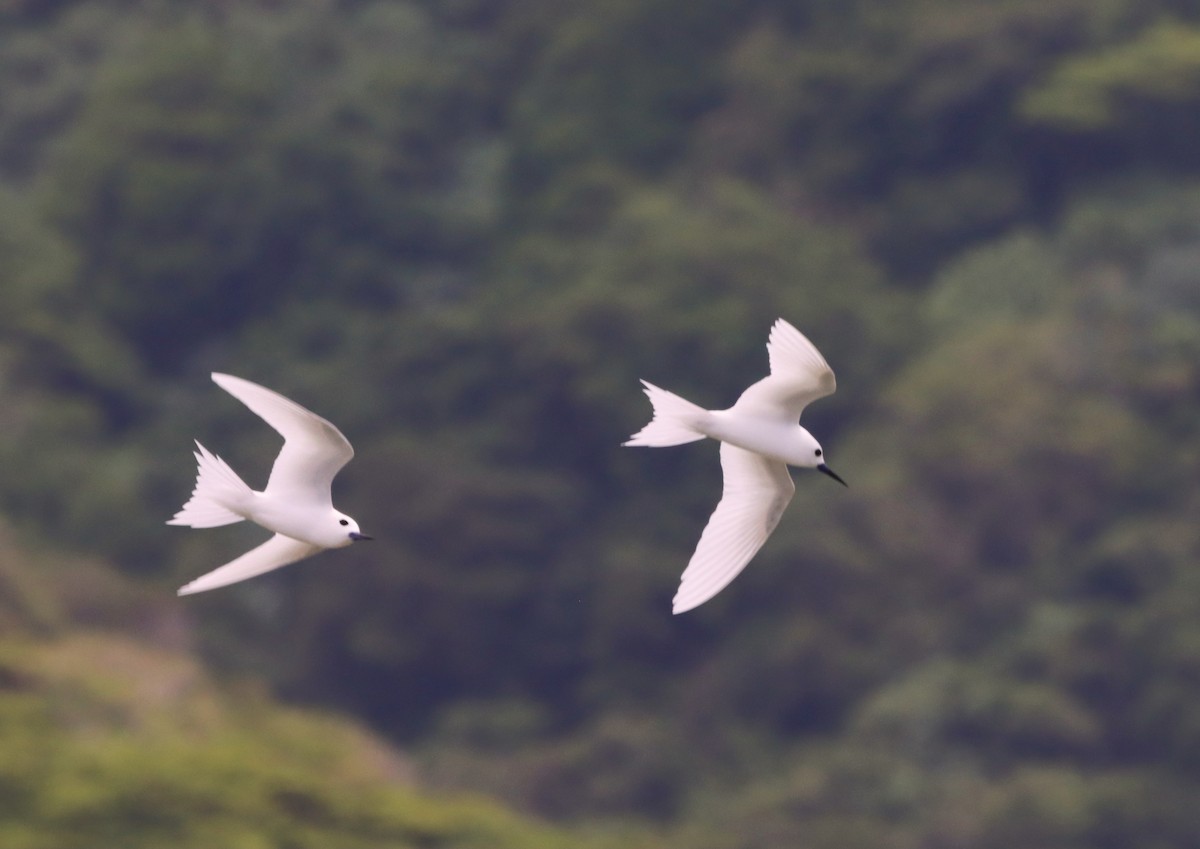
(278, 551)
(313, 452)
(799, 376)
(756, 491)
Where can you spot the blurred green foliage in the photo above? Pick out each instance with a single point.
(1159, 68)
(463, 231)
(108, 741)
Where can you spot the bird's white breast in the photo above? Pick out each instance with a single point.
(311, 523)
(783, 441)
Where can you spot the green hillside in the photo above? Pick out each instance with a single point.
(113, 734)
(463, 231)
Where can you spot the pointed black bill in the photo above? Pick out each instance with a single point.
(825, 469)
(357, 537)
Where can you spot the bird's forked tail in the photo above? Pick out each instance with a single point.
(217, 494)
(675, 421)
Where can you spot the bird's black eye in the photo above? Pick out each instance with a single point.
(347, 521)
(818, 452)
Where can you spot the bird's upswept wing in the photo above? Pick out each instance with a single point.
(755, 493)
(313, 452)
(799, 376)
(278, 551)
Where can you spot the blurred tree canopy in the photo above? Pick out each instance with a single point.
(463, 231)
(108, 740)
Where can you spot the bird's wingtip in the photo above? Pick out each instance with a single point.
(193, 587)
(225, 380)
(679, 606)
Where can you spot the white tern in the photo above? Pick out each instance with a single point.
(760, 437)
(296, 503)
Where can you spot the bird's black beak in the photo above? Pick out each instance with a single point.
(357, 537)
(826, 470)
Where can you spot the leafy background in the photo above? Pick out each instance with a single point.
(463, 230)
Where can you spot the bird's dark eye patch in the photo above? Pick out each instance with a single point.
(346, 522)
(818, 452)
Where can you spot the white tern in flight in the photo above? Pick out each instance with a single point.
(760, 437)
(296, 503)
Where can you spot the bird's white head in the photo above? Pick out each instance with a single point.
(340, 531)
(812, 456)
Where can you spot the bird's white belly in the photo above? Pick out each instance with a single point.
(293, 520)
(773, 439)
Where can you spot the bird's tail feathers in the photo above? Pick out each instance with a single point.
(216, 496)
(676, 420)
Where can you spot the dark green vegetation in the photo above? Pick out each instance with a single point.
(463, 230)
(112, 735)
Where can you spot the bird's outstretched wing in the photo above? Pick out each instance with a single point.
(756, 491)
(313, 449)
(278, 551)
(799, 376)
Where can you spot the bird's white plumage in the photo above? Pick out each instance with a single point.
(296, 505)
(760, 437)
(313, 452)
(674, 421)
(799, 376)
(755, 493)
(217, 486)
(278, 551)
